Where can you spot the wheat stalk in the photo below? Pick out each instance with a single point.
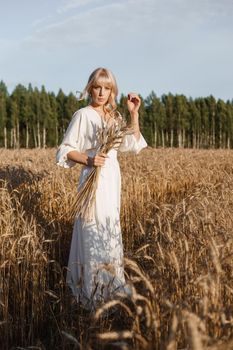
(109, 137)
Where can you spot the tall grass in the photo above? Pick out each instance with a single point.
(177, 226)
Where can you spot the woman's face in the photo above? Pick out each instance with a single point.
(100, 94)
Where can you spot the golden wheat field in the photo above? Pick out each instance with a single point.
(177, 225)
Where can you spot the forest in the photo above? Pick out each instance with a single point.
(36, 118)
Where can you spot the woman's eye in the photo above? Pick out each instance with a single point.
(98, 87)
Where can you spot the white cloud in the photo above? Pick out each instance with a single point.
(177, 45)
(72, 4)
(96, 26)
(41, 21)
(98, 23)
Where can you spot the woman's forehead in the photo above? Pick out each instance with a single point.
(103, 81)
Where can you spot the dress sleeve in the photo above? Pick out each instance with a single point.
(131, 144)
(73, 140)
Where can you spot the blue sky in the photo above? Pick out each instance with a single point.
(177, 46)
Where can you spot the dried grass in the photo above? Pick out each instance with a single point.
(177, 228)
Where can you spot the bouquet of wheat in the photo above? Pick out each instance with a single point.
(109, 137)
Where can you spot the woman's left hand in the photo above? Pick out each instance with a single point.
(133, 103)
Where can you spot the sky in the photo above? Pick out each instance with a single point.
(178, 46)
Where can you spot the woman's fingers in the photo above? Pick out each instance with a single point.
(133, 101)
(104, 155)
(99, 160)
(132, 96)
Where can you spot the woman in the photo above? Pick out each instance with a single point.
(95, 268)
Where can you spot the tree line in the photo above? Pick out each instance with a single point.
(32, 117)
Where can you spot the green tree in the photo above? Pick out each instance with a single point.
(61, 100)
(181, 111)
(3, 114)
(155, 120)
(52, 128)
(170, 131)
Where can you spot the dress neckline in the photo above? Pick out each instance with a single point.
(102, 119)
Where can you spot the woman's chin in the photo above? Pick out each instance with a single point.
(99, 103)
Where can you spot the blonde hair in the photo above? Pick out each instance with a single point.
(106, 77)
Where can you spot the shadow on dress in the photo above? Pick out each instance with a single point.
(96, 270)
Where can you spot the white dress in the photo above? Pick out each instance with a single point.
(95, 267)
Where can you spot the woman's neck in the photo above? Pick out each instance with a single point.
(99, 109)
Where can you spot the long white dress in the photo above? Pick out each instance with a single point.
(95, 267)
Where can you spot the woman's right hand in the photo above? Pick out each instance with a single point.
(97, 160)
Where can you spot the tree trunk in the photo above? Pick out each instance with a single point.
(183, 138)
(163, 138)
(179, 139)
(228, 142)
(27, 136)
(34, 136)
(5, 137)
(14, 138)
(155, 137)
(38, 134)
(213, 137)
(220, 135)
(56, 135)
(11, 138)
(17, 135)
(189, 140)
(172, 138)
(194, 140)
(44, 137)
